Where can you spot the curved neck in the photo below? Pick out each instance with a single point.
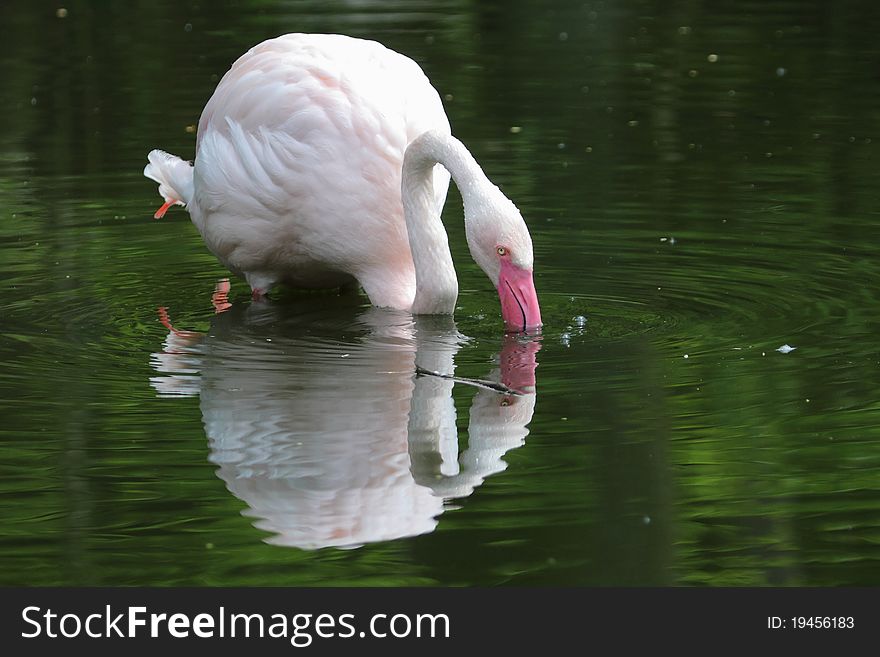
(436, 283)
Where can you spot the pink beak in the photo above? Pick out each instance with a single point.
(518, 363)
(519, 301)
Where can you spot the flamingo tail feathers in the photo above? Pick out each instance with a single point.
(175, 178)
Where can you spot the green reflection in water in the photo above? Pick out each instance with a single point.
(699, 182)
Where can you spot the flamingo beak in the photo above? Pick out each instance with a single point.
(519, 301)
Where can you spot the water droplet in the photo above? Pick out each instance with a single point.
(188, 27)
(61, 12)
(646, 520)
(785, 349)
(693, 73)
(780, 72)
(515, 129)
(686, 356)
(684, 29)
(560, 145)
(712, 58)
(580, 320)
(632, 124)
(448, 97)
(563, 36)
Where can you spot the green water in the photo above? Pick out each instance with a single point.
(701, 186)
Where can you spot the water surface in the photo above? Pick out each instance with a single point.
(700, 183)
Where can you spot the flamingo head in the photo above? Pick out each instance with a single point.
(500, 244)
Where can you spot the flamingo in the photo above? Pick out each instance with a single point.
(323, 161)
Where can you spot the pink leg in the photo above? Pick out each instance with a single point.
(260, 283)
(220, 297)
(161, 211)
(166, 322)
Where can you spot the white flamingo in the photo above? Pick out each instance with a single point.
(317, 165)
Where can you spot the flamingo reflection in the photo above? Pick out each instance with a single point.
(338, 429)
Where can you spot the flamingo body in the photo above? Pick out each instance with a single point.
(299, 172)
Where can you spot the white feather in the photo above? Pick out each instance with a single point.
(175, 176)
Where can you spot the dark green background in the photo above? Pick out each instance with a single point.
(736, 465)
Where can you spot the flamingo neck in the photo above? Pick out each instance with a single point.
(436, 282)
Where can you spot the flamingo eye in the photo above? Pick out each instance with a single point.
(501, 251)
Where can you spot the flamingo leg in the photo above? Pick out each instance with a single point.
(220, 301)
(166, 322)
(161, 211)
(220, 297)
